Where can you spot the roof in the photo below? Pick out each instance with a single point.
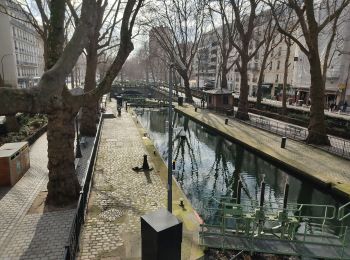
(218, 91)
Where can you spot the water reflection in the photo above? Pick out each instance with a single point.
(208, 165)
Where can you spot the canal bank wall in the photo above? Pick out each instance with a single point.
(187, 214)
(317, 166)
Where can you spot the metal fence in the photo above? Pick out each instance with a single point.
(73, 241)
(338, 146)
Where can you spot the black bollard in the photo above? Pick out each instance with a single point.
(126, 106)
(174, 164)
(195, 109)
(283, 142)
(285, 197)
(226, 121)
(145, 165)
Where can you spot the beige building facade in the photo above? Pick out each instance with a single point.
(21, 50)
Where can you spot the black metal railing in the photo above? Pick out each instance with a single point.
(338, 146)
(79, 218)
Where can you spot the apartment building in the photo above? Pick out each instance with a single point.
(157, 55)
(337, 87)
(21, 52)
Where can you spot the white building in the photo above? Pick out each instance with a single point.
(21, 51)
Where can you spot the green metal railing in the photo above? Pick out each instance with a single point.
(245, 227)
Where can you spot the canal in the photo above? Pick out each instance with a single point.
(208, 165)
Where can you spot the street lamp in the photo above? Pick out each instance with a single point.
(2, 65)
(170, 142)
(77, 148)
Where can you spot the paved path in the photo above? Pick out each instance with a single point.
(24, 235)
(311, 162)
(121, 196)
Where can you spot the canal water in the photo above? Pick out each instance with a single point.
(208, 165)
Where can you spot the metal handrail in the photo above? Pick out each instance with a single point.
(341, 212)
(79, 217)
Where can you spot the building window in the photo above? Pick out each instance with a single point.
(276, 78)
(278, 64)
(270, 68)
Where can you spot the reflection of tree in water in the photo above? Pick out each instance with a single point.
(182, 144)
(219, 164)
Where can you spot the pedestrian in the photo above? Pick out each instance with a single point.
(332, 106)
(345, 106)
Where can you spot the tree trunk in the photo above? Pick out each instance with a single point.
(285, 78)
(188, 94)
(242, 112)
(317, 128)
(224, 78)
(260, 81)
(63, 187)
(89, 115)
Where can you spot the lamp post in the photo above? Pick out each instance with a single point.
(170, 143)
(2, 65)
(77, 148)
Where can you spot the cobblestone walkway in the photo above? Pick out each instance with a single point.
(34, 236)
(119, 195)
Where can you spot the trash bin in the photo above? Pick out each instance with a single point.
(14, 162)
(161, 235)
(180, 101)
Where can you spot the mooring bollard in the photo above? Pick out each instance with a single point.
(226, 121)
(283, 142)
(145, 164)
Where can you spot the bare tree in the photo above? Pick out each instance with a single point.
(53, 98)
(247, 45)
(271, 41)
(314, 18)
(289, 44)
(99, 43)
(178, 26)
(225, 34)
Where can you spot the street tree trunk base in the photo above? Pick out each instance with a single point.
(317, 139)
(63, 186)
(242, 116)
(88, 121)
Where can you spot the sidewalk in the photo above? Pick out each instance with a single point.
(319, 166)
(25, 234)
(120, 196)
